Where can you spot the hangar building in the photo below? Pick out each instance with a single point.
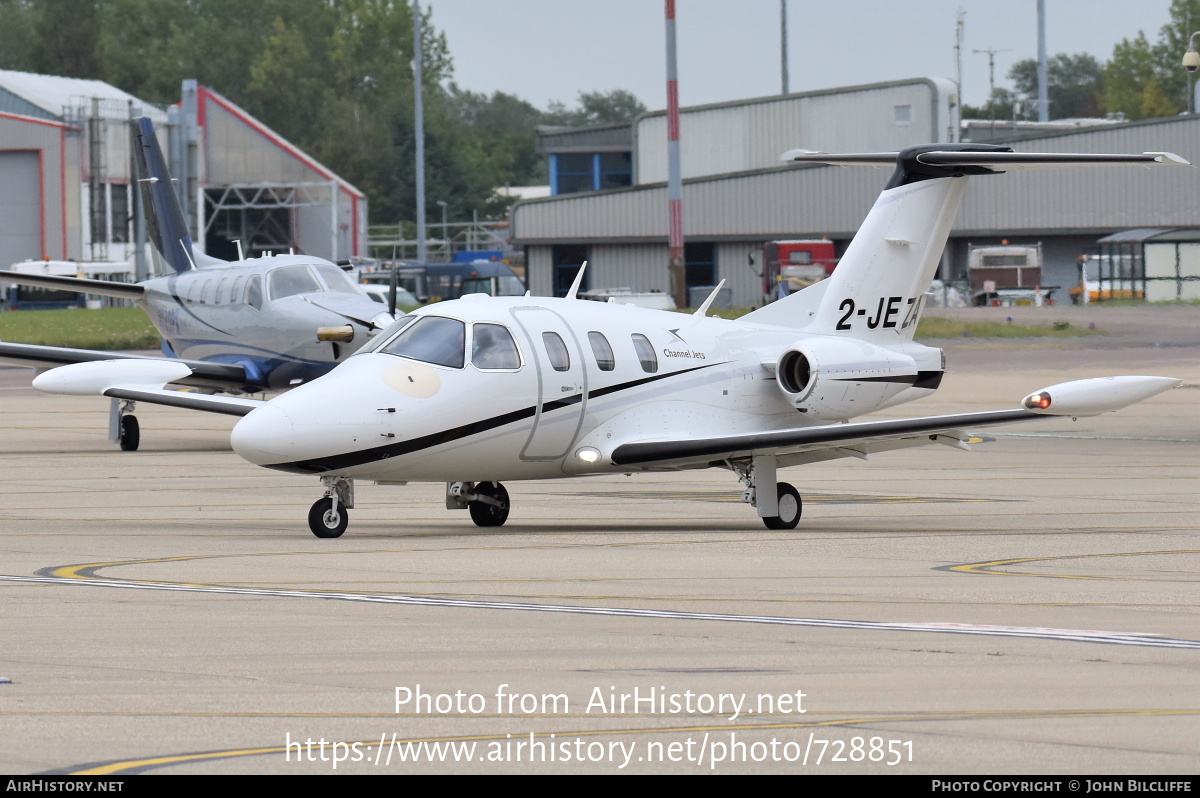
(66, 165)
(737, 196)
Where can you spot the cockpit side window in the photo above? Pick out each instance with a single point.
(431, 339)
(336, 279)
(291, 280)
(493, 348)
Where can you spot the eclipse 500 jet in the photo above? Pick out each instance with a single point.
(238, 327)
(486, 389)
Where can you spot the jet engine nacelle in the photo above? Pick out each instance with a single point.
(836, 378)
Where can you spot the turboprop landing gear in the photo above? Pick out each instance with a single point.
(328, 517)
(487, 501)
(123, 425)
(779, 511)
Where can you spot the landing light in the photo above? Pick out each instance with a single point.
(588, 454)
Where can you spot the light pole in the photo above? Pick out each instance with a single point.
(1191, 62)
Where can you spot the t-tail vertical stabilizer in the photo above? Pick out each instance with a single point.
(168, 229)
(879, 286)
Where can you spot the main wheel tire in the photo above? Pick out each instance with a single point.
(325, 521)
(791, 507)
(484, 514)
(131, 434)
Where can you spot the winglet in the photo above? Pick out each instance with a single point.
(572, 294)
(706, 304)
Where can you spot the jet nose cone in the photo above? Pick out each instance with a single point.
(264, 436)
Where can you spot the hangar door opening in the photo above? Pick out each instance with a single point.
(20, 207)
(275, 218)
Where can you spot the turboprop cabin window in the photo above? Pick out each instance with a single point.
(602, 351)
(431, 339)
(291, 280)
(556, 350)
(254, 292)
(645, 352)
(493, 348)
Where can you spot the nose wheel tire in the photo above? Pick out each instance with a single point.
(325, 521)
(486, 513)
(791, 507)
(131, 434)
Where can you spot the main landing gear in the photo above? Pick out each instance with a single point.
(123, 425)
(487, 501)
(328, 517)
(779, 509)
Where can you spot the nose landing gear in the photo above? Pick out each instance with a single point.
(328, 517)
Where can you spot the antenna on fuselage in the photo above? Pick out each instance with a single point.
(706, 304)
(187, 252)
(578, 282)
(241, 255)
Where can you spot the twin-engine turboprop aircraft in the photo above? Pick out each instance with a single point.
(486, 389)
(239, 327)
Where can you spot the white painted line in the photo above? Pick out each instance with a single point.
(1070, 635)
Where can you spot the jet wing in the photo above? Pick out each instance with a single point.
(80, 285)
(203, 374)
(1088, 397)
(139, 379)
(851, 440)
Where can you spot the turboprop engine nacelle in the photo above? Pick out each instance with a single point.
(836, 378)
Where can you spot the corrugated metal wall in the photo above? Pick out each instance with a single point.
(752, 135)
(834, 200)
(237, 153)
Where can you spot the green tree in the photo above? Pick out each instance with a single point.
(1132, 85)
(1073, 85)
(596, 108)
(16, 35)
(67, 36)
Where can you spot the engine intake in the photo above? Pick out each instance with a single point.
(831, 378)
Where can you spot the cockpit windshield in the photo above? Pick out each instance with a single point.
(291, 280)
(431, 339)
(336, 279)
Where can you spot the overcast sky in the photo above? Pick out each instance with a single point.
(543, 50)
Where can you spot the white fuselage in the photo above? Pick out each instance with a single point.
(398, 418)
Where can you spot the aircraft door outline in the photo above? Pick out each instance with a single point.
(562, 391)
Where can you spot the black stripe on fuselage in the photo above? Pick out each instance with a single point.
(351, 459)
(922, 379)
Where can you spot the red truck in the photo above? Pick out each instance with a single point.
(792, 265)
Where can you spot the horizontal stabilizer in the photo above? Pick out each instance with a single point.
(955, 161)
(79, 285)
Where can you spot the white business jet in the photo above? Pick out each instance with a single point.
(239, 327)
(486, 389)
